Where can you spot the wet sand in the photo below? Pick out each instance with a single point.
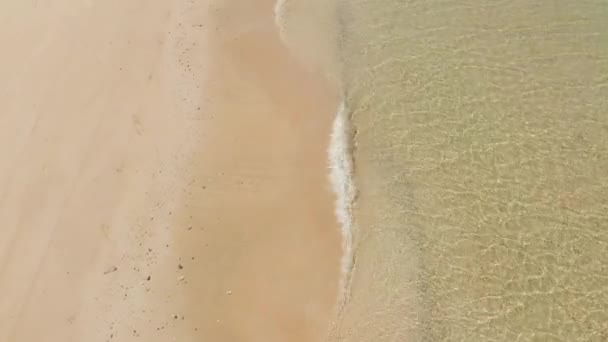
(162, 176)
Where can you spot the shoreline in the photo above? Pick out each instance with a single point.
(311, 32)
(279, 137)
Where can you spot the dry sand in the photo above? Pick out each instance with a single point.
(162, 175)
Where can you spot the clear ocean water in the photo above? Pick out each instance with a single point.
(480, 155)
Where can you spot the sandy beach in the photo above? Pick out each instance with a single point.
(163, 175)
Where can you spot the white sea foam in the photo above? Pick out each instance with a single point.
(341, 177)
(280, 9)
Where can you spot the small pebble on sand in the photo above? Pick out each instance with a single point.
(110, 269)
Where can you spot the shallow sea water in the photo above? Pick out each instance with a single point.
(481, 162)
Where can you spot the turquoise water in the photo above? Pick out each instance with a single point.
(481, 161)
